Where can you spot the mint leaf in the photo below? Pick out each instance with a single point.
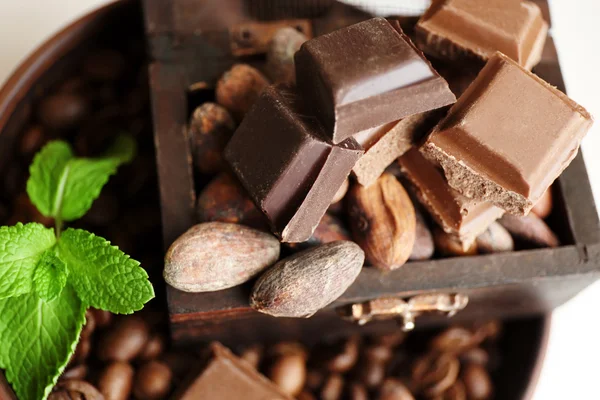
(50, 276)
(47, 177)
(21, 248)
(38, 339)
(64, 187)
(103, 276)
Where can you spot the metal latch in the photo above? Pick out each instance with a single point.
(250, 38)
(406, 311)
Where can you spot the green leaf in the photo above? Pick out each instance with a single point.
(21, 248)
(47, 177)
(103, 276)
(38, 339)
(50, 276)
(64, 187)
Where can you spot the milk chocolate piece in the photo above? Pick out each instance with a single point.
(385, 144)
(508, 137)
(456, 214)
(475, 29)
(367, 75)
(281, 156)
(225, 376)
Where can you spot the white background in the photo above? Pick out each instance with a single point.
(571, 369)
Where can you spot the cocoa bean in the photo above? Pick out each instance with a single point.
(305, 282)
(330, 229)
(495, 239)
(383, 222)
(543, 207)
(239, 88)
(424, 246)
(210, 128)
(450, 245)
(216, 255)
(116, 380)
(280, 56)
(224, 200)
(530, 229)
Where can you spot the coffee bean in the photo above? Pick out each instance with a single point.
(32, 140)
(78, 372)
(152, 381)
(454, 392)
(333, 387)
(378, 353)
(252, 355)
(82, 351)
(434, 373)
(116, 380)
(77, 389)
(101, 317)
(62, 111)
(488, 330)
(125, 340)
(314, 379)
(154, 347)
(289, 373)
(90, 325)
(454, 340)
(346, 357)
(477, 382)
(357, 391)
(391, 339)
(104, 65)
(475, 356)
(393, 389)
(371, 374)
(305, 395)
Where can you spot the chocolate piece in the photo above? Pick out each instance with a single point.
(471, 29)
(289, 170)
(456, 214)
(508, 137)
(367, 75)
(384, 144)
(226, 376)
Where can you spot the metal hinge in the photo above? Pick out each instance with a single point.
(406, 311)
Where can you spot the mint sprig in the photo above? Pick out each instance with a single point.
(48, 277)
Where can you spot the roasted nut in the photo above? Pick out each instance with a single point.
(346, 356)
(333, 387)
(152, 381)
(62, 111)
(224, 200)
(125, 340)
(435, 373)
(495, 239)
(543, 208)
(216, 255)
(393, 389)
(450, 245)
(116, 380)
(341, 193)
(210, 128)
(330, 229)
(477, 381)
(280, 57)
(302, 284)
(238, 89)
(289, 373)
(530, 229)
(383, 222)
(424, 246)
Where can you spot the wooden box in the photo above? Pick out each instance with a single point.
(192, 42)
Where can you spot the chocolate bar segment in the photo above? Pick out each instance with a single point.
(385, 144)
(475, 29)
(455, 214)
(508, 137)
(225, 376)
(367, 75)
(281, 156)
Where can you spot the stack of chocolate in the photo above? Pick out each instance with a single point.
(367, 96)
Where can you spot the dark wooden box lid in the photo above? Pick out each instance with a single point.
(191, 41)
